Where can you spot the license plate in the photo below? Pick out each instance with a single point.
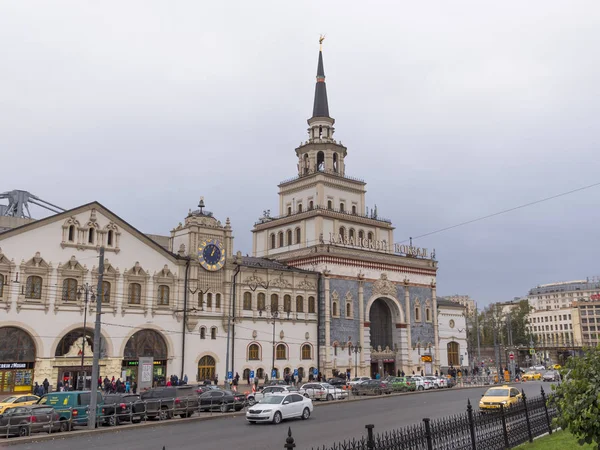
(47, 426)
(136, 417)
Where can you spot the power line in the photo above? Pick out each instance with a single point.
(504, 211)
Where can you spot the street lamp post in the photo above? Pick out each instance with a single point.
(356, 350)
(273, 315)
(85, 289)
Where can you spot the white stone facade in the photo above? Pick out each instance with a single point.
(453, 335)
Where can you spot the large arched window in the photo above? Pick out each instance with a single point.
(261, 302)
(281, 351)
(69, 292)
(209, 300)
(146, 343)
(16, 345)
(247, 301)
(272, 240)
(306, 351)
(135, 294)
(453, 354)
(33, 287)
(253, 352)
(287, 303)
(72, 342)
(299, 303)
(274, 302)
(206, 368)
(312, 306)
(281, 243)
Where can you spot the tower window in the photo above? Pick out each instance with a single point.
(91, 236)
(370, 236)
(109, 238)
(320, 161)
(343, 232)
(361, 234)
(310, 205)
(71, 233)
(289, 209)
(335, 162)
(320, 131)
(353, 209)
(299, 207)
(272, 240)
(341, 207)
(351, 233)
(289, 237)
(298, 235)
(281, 239)
(329, 204)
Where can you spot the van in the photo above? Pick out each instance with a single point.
(71, 406)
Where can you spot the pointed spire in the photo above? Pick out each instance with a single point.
(320, 107)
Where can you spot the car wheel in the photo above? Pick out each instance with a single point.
(306, 395)
(23, 431)
(164, 414)
(421, 388)
(113, 421)
(377, 392)
(277, 418)
(64, 426)
(305, 414)
(224, 407)
(329, 397)
(251, 401)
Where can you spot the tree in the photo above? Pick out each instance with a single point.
(577, 398)
(518, 323)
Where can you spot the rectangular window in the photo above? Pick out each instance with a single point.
(135, 294)
(163, 295)
(69, 290)
(33, 288)
(213, 333)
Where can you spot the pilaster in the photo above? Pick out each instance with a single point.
(435, 326)
(361, 318)
(408, 326)
(327, 324)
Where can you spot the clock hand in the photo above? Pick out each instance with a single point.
(213, 252)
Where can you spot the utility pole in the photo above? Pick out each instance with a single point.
(96, 363)
(510, 346)
(477, 326)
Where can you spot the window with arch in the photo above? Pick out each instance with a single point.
(209, 300)
(335, 348)
(281, 243)
(109, 238)
(260, 373)
(335, 162)
(370, 236)
(343, 232)
(213, 333)
(69, 292)
(135, 294)
(202, 332)
(163, 295)
(289, 210)
(351, 233)
(105, 294)
(320, 161)
(299, 207)
(201, 300)
(146, 343)
(427, 315)
(261, 303)
(289, 237)
(272, 240)
(247, 303)
(72, 233)
(281, 351)
(361, 234)
(207, 367)
(453, 354)
(417, 313)
(33, 287)
(287, 303)
(312, 306)
(299, 304)
(329, 204)
(91, 235)
(253, 352)
(342, 207)
(16, 345)
(311, 205)
(334, 309)
(349, 310)
(218, 301)
(274, 302)
(298, 235)
(1, 285)
(353, 209)
(306, 351)
(246, 374)
(74, 337)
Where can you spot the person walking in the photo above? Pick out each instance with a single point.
(185, 379)
(46, 385)
(134, 386)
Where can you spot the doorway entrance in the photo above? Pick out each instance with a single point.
(75, 379)
(381, 325)
(206, 368)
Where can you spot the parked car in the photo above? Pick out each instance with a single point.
(551, 375)
(337, 381)
(255, 397)
(401, 384)
(374, 387)
(532, 376)
(275, 383)
(221, 400)
(202, 388)
(18, 400)
(119, 408)
(421, 383)
(496, 396)
(437, 382)
(24, 420)
(72, 407)
(277, 407)
(353, 381)
(166, 402)
(322, 391)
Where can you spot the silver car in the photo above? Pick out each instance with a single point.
(322, 391)
(256, 397)
(551, 375)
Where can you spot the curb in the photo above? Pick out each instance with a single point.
(84, 432)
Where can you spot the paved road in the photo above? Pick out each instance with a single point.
(329, 423)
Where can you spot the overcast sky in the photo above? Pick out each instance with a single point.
(450, 111)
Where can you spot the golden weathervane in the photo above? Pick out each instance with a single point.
(321, 39)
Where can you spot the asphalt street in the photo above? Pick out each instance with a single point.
(329, 423)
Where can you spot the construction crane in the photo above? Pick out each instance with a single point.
(18, 204)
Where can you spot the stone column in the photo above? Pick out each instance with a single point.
(408, 326)
(436, 343)
(361, 320)
(327, 327)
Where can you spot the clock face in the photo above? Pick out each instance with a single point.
(211, 255)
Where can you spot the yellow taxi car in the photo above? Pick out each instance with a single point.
(17, 400)
(557, 366)
(500, 395)
(531, 376)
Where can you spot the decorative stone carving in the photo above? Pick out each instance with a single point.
(383, 286)
(335, 295)
(281, 283)
(254, 282)
(348, 296)
(254, 334)
(281, 335)
(77, 347)
(307, 335)
(306, 285)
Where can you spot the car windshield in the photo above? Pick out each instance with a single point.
(327, 386)
(497, 393)
(272, 400)
(8, 400)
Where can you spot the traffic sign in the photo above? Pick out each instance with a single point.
(295, 372)
(229, 375)
(511, 355)
(274, 373)
(315, 372)
(252, 374)
(532, 351)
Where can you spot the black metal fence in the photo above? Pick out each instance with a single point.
(498, 429)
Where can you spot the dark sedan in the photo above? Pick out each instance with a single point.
(371, 387)
(337, 382)
(222, 400)
(119, 408)
(24, 420)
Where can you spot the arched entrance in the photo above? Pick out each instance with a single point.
(17, 360)
(384, 337)
(142, 344)
(77, 348)
(207, 367)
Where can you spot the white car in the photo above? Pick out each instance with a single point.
(322, 391)
(421, 383)
(255, 397)
(437, 382)
(354, 381)
(277, 407)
